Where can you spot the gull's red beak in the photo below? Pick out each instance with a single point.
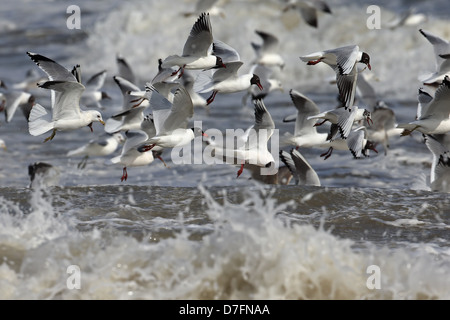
(259, 86)
(368, 66)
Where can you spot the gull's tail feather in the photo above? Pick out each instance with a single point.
(39, 121)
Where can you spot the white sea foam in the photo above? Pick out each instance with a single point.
(251, 253)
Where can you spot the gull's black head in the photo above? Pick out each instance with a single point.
(198, 132)
(255, 80)
(370, 145)
(219, 63)
(366, 60)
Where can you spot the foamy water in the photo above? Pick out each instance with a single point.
(254, 248)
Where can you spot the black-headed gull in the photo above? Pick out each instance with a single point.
(252, 144)
(343, 119)
(171, 123)
(267, 52)
(343, 61)
(357, 143)
(436, 118)
(305, 132)
(225, 80)
(131, 156)
(440, 166)
(66, 93)
(301, 170)
(197, 49)
(308, 9)
(93, 94)
(104, 145)
(441, 48)
(269, 82)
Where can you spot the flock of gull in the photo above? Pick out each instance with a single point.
(174, 93)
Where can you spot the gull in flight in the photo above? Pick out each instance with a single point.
(436, 118)
(66, 91)
(197, 51)
(343, 61)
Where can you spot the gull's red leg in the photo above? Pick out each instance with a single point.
(211, 98)
(124, 174)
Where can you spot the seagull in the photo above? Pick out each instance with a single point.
(131, 156)
(343, 119)
(267, 52)
(440, 47)
(440, 167)
(66, 93)
(268, 81)
(301, 170)
(308, 9)
(104, 145)
(441, 50)
(93, 95)
(436, 118)
(384, 125)
(252, 145)
(225, 81)
(171, 123)
(305, 132)
(196, 52)
(13, 100)
(343, 61)
(357, 142)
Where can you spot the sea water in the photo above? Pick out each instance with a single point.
(373, 230)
